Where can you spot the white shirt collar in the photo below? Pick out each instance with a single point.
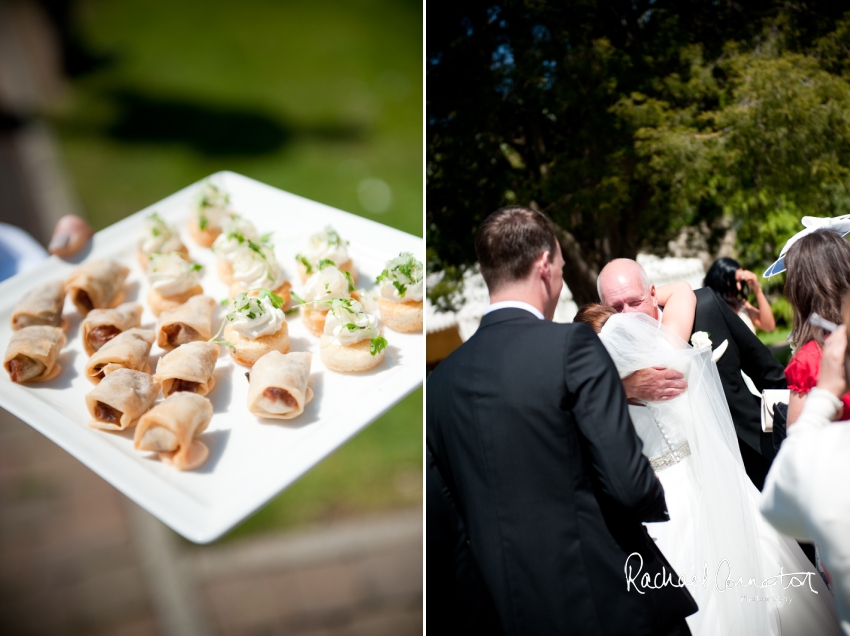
(514, 304)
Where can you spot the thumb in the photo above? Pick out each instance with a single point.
(69, 236)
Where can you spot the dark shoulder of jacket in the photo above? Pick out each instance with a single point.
(707, 298)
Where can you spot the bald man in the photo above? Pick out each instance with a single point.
(624, 286)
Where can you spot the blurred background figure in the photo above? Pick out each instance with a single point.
(732, 282)
(107, 107)
(803, 502)
(817, 279)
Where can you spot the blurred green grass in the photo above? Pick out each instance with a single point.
(327, 94)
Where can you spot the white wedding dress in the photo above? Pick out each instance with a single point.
(727, 554)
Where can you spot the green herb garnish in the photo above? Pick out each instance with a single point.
(276, 301)
(333, 237)
(203, 221)
(195, 267)
(257, 248)
(378, 345)
(402, 271)
(304, 262)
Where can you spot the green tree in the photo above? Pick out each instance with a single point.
(626, 122)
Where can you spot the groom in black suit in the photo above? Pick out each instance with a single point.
(623, 285)
(528, 427)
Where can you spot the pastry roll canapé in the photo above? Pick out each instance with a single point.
(212, 208)
(128, 350)
(352, 341)
(401, 288)
(324, 285)
(42, 305)
(120, 399)
(256, 325)
(170, 429)
(188, 368)
(189, 322)
(158, 237)
(33, 352)
(278, 385)
(102, 325)
(97, 284)
(326, 245)
(173, 281)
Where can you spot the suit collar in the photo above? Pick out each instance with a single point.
(509, 313)
(516, 304)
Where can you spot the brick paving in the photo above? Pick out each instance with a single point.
(77, 557)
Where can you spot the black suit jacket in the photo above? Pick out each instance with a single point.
(528, 425)
(744, 352)
(458, 600)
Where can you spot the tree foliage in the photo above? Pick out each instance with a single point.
(629, 121)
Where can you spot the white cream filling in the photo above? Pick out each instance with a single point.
(170, 275)
(326, 245)
(412, 293)
(253, 270)
(159, 237)
(267, 318)
(326, 284)
(350, 325)
(413, 284)
(212, 204)
(228, 242)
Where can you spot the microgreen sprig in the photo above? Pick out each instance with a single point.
(377, 345)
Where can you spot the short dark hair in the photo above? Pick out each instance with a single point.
(818, 279)
(721, 277)
(510, 240)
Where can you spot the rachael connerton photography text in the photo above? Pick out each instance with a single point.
(723, 579)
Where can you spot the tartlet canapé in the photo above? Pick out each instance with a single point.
(324, 285)
(158, 237)
(254, 267)
(236, 231)
(401, 289)
(173, 280)
(326, 245)
(256, 325)
(352, 339)
(211, 209)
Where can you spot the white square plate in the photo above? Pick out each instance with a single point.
(250, 461)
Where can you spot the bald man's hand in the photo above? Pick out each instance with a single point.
(654, 385)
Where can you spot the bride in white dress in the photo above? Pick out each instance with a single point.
(716, 539)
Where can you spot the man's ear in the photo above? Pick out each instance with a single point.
(544, 266)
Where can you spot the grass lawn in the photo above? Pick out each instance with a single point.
(323, 99)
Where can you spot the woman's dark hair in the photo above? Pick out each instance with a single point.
(721, 277)
(510, 240)
(818, 278)
(595, 315)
